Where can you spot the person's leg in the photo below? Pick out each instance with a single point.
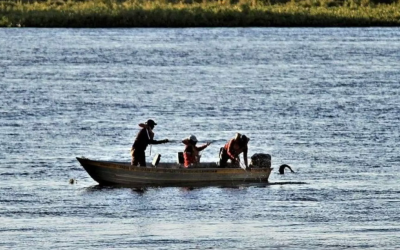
(223, 158)
(142, 159)
(134, 162)
(138, 158)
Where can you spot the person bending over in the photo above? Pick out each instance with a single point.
(232, 149)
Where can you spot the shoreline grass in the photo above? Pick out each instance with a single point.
(161, 13)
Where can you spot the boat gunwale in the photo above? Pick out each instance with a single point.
(127, 166)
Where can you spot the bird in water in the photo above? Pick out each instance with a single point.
(282, 168)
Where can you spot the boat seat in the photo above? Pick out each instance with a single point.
(179, 158)
(156, 160)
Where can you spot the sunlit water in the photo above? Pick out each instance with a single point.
(325, 101)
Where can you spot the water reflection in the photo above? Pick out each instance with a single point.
(97, 188)
(142, 190)
(139, 191)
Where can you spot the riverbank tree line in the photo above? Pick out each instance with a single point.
(199, 13)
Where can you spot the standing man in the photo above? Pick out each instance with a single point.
(143, 139)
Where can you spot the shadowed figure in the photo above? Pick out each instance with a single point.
(282, 169)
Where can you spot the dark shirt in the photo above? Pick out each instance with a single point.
(143, 139)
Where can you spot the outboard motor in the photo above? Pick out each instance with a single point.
(260, 161)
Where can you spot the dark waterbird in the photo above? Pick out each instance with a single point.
(282, 168)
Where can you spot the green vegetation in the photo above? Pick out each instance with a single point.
(189, 13)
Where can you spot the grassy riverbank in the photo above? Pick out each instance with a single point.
(161, 13)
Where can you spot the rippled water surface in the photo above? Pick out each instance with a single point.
(325, 101)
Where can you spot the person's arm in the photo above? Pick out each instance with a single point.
(152, 141)
(185, 141)
(203, 146)
(245, 157)
(230, 150)
(150, 136)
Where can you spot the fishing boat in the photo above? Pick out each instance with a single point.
(174, 174)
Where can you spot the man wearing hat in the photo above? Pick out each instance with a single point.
(143, 139)
(191, 155)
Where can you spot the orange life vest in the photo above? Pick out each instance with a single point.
(190, 155)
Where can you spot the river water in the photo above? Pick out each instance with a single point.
(324, 101)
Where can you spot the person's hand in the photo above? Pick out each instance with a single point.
(236, 161)
(166, 140)
(208, 144)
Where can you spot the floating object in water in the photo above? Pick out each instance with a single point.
(282, 168)
(72, 181)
